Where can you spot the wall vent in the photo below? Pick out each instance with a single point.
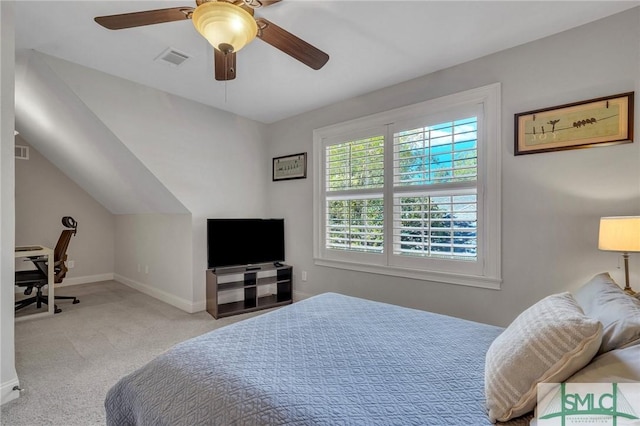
(173, 57)
(22, 152)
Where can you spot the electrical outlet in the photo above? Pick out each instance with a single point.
(71, 264)
(304, 275)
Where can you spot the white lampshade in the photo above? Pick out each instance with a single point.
(224, 25)
(619, 233)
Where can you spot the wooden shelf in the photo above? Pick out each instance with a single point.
(234, 285)
(241, 307)
(232, 291)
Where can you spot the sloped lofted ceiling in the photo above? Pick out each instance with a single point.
(61, 127)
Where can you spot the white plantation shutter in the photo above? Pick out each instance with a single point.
(435, 190)
(355, 224)
(441, 153)
(354, 202)
(356, 165)
(439, 226)
(413, 192)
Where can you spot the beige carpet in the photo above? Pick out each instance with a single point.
(67, 363)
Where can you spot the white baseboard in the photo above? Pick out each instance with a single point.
(7, 392)
(87, 279)
(178, 302)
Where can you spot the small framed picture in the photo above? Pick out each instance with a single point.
(290, 167)
(602, 121)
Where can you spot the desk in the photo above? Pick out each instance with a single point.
(28, 251)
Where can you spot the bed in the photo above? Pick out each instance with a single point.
(327, 360)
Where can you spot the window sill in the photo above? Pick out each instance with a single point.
(491, 283)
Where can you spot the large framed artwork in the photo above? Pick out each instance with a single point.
(601, 121)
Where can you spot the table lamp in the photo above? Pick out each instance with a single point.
(621, 233)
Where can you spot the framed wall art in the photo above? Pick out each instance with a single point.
(290, 167)
(601, 121)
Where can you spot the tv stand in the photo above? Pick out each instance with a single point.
(232, 291)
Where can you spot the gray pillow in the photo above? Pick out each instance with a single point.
(602, 299)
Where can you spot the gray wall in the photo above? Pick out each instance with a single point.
(43, 196)
(154, 256)
(551, 203)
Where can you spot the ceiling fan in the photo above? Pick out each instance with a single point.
(228, 25)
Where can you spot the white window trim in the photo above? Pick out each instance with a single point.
(489, 187)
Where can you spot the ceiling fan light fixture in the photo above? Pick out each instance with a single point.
(226, 27)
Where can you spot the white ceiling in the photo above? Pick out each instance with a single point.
(372, 44)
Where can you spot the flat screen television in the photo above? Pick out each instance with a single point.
(238, 242)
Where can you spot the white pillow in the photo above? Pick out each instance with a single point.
(602, 299)
(546, 343)
(616, 366)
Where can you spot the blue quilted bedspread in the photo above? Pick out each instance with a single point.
(327, 360)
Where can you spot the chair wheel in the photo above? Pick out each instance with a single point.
(75, 301)
(56, 310)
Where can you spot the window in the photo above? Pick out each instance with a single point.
(354, 201)
(413, 192)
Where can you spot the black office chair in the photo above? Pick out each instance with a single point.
(38, 278)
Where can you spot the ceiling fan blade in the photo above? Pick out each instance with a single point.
(147, 17)
(266, 3)
(291, 45)
(255, 4)
(224, 65)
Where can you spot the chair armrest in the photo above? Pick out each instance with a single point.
(41, 264)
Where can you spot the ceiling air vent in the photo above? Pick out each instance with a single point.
(22, 152)
(173, 57)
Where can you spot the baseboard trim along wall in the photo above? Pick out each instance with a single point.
(178, 302)
(87, 279)
(7, 391)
